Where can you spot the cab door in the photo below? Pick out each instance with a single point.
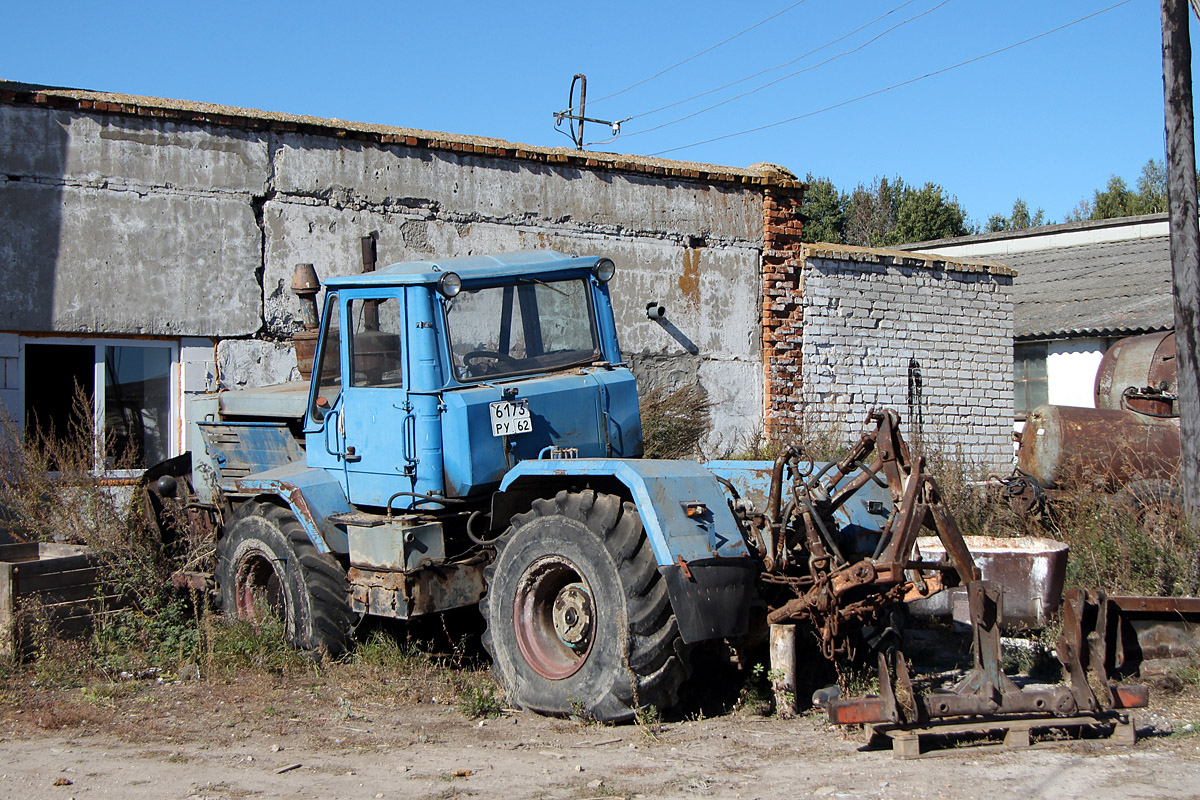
(324, 434)
(379, 417)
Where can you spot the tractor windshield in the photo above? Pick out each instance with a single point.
(530, 326)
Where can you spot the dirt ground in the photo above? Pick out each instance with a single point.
(312, 737)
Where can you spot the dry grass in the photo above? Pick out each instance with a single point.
(52, 491)
(818, 440)
(1110, 548)
(674, 421)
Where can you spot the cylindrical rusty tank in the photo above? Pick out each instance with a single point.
(1097, 447)
(306, 285)
(1137, 364)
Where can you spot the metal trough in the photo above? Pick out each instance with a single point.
(1030, 569)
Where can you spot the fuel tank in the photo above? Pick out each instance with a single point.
(1140, 374)
(1097, 447)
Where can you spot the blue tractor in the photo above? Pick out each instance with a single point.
(471, 436)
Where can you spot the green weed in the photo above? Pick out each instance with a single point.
(580, 713)
(649, 720)
(755, 696)
(235, 646)
(479, 702)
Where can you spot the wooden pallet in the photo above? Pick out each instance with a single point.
(907, 741)
(57, 581)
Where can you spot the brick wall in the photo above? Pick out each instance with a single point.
(851, 329)
(782, 311)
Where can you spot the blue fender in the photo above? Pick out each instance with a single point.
(663, 492)
(711, 578)
(312, 494)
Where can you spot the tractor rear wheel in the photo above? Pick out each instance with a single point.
(578, 618)
(267, 565)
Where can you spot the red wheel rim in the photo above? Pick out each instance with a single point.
(553, 617)
(258, 588)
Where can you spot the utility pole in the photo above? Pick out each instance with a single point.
(1185, 234)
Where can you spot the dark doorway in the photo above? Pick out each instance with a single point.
(54, 373)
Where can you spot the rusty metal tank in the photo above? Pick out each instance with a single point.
(1097, 447)
(1139, 373)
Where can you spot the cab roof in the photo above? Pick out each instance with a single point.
(469, 268)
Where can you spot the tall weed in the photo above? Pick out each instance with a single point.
(674, 421)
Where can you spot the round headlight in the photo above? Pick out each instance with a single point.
(604, 270)
(449, 284)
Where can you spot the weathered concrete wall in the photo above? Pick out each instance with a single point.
(863, 329)
(652, 230)
(132, 216)
(137, 216)
(111, 225)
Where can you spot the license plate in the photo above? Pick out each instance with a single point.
(510, 418)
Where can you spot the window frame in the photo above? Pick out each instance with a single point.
(98, 343)
(354, 336)
(533, 280)
(1024, 381)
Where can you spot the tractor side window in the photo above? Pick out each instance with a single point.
(329, 374)
(375, 343)
(532, 326)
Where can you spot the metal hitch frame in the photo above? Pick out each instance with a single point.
(986, 699)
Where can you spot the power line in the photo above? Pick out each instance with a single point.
(662, 72)
(873, 39)
(896, 85)
(830, 43)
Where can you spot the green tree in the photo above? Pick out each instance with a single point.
(1118, 200)
(1081, 211)
(1115, 201)
(872, 211)
(927, 213)
(1019, 219)
(887, 212)
(824, 211)
(1152, 188)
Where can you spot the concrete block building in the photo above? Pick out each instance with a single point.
(147, 247)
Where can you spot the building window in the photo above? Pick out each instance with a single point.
(1029, 378)
(129, 387)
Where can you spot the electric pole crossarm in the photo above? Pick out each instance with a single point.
(576, 132)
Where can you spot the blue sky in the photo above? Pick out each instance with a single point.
(1048, 121)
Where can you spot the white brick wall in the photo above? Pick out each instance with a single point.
(866, 323)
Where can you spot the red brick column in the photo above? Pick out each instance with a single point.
(782, 311)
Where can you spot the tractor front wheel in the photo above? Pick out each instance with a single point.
(266, 565)
(578, 617)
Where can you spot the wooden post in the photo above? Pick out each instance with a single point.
(783, 669)
(8, 621)
(1185, 235)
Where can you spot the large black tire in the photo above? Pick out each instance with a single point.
(578, 618)
(266, 564)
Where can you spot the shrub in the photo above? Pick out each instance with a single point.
(1111, 550)
(51, 490)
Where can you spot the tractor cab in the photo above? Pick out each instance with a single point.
(432, 380)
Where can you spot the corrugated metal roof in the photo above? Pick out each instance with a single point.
(1102, 288)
